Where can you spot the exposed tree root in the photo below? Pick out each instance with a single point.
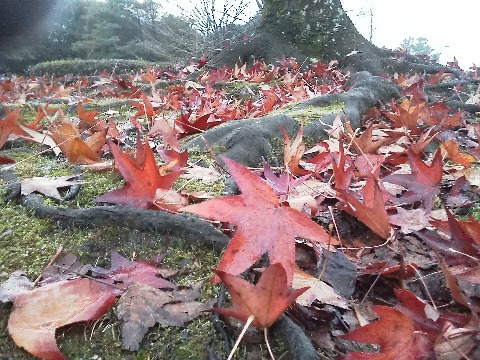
(248, 141)
(185, 227)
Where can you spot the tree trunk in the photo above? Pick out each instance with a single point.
(318, 29)
(315, 29)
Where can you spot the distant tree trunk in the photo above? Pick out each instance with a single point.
(304, 29)
(319, 29)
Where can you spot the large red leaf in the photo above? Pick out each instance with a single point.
(37, 315)
(395, 334)
(75, 149)
(266, 300)
(141, 176)
(422, 183)
(372, 211)
(461, 247)
(263, 224)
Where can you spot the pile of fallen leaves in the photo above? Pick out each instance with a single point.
(397, 268)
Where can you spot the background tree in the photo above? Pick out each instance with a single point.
(419, 46)
(313, 29)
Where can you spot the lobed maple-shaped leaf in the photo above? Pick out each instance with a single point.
(438, 114)
(37, 315)
(263, 224)
(142, 306)
(316, 290)
(409, 220)
(400, 271)
(47, 186)
(75, 149)
(407, 115)
(372, 211)
(283, 183)
(266, 300)
(199, 124)
(451, 148)
(59, 301)
(461, 246)
(396, 336)
(342, 166)
(141, 176)
(293, 152)
(88, 122)
(42, 112)
(364, 144)
(8, 125)
(422, 183)
(124, 272)
(144, 108)
(427, 319)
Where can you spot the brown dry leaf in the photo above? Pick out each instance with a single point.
(319, 290)
(454, 342)
(40, 138)
(207, 175)
(48, 186)
(142, 306)
(409, 220)
(15, 285)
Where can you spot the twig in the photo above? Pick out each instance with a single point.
(52, 260)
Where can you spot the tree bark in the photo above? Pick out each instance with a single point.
(315, 29)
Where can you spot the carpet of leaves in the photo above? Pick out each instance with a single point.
(398, 266)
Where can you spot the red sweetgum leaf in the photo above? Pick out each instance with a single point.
(451, 148)
(422, 183)
(175, 160)
(37, 315)
(124, 272)
(88, 120)
(342, 166)
(266, 300)
(407, 115)
(438, 114)
(463, 242)
(8, 125)
(263, 224)
(293, 152)
(42, 112)
(372, 211)
(426, 318)
(365, 144)
(144, 108)
(141, 176)
(284, 182)
(399, 271)
(75, 149)
(396, 336)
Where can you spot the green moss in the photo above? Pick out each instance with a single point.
(214, 189)
(313, 113)
(28, 243)
(96, 184)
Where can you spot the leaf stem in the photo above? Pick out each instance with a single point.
(244, 330)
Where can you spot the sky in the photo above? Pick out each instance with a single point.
(450, 27)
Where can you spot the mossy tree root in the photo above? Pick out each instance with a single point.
(248, 141)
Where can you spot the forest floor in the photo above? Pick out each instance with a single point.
(393, 204)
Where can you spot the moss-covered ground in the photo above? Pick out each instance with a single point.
(29, 243)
